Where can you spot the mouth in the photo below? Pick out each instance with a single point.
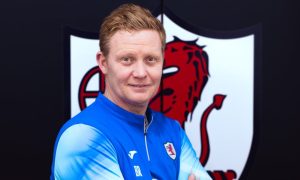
(138, 85)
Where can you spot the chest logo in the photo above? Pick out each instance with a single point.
(170, 150)
(132, 153)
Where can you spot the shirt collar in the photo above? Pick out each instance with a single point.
(122, 113)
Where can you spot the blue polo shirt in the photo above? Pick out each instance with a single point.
(105, 141)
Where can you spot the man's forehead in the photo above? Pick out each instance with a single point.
(148, 39)
(135, 34)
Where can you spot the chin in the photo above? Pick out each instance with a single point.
(140, 100)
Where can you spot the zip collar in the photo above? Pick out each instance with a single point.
(123, 114)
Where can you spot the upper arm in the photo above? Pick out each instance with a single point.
(84, 152)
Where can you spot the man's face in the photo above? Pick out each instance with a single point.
(133, 67)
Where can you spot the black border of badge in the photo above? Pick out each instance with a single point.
(256, 30)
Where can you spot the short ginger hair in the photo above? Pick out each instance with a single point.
(129, 17)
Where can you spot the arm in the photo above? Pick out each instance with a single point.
(83, 152)
(189, 162)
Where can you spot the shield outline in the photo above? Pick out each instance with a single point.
(256, 30)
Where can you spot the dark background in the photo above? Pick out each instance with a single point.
(32, 75)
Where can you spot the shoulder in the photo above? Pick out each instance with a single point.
(90, 117)
(80, 138)
(84, 151)
(85, 129)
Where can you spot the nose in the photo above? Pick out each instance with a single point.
(139, 70)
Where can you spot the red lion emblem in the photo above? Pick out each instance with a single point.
(184, 78)
(185, 75)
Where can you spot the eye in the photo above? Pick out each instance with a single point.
(151, 59)
(126, 60)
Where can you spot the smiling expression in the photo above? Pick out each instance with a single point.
(132, 68)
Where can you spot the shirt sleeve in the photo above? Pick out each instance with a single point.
(189, 162)
(83, 152)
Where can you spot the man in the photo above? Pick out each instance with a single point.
(118, 136)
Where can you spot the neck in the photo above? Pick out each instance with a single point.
(128, 106)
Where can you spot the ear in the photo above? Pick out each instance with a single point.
(102, 63)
